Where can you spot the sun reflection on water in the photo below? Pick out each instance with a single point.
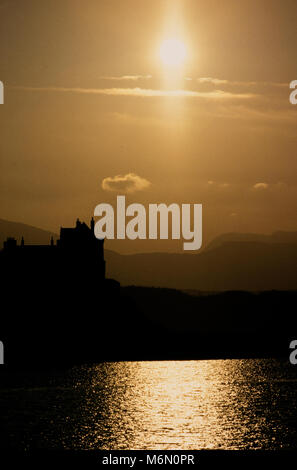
(179, 405)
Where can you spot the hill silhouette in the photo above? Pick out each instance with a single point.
(275, 237)
(250, 266)
(232, 261)
(61, 309)
(17, 230)
(227, 324)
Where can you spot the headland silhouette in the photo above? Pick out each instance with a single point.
(59, 309)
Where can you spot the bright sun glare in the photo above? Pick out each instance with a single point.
(173, 52)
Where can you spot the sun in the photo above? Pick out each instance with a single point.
(173, 52)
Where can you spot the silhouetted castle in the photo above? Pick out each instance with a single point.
(60, 305)
(78, 256)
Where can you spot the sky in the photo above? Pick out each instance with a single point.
(91, 110)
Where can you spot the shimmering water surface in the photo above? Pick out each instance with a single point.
(212, 404)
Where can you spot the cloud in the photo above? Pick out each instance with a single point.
(260, 186)
(142, 92)
(218, 185)
(219, 81)
(215, 81)
(127, 77)
(128, 183)
(272, 186)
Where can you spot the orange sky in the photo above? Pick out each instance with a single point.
(86, 98)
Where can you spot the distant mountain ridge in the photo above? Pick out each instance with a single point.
(275, 237)
(232, 261)
(32, 235)
(251, 266)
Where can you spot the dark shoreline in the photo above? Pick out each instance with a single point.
(144, 324)
(6, 371)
